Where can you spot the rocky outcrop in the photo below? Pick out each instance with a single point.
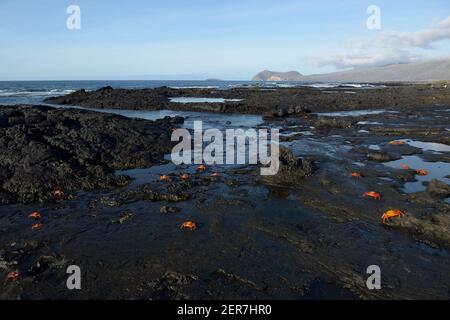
(43, 149)
(253, 100)
(292, 170)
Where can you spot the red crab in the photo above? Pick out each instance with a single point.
(397, 143)
(37, 226)
(35, 215)
(164, 177)
(184, 177)
(391, 214)
(13, 275)
(189, 225)
(372, 194)
(201, 167)
(58, 194)
(421, 172)
(405, 166)
(356, 175)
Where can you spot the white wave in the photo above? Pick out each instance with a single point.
(24, 93)
(194, 87)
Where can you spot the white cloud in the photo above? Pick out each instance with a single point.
(388, 48)
(421, 39)
(364, 59)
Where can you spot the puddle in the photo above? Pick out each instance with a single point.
(353, 113)
(359, 164)
(210, 120)
(374, 147)
(429, 146)
(436, 170)
(202, 100)
(310, 147)
(369, 123)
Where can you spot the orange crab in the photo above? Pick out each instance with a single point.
(421, 172)
(189, 225)
(58, 194)
(391, 214)
(215, 175)
(356, 175)
(35, 215)
(372, 194)
(13, 275)
(37, 226)
(396, 143)
(405, 166)
(201, 167)
(184, 177)
(164, 177)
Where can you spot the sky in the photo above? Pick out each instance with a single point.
(199, 39)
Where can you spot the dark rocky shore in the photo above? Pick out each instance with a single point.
(306, 233)
(270, 102)
(43, 149)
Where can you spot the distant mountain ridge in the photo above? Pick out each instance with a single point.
(267, 75)
(432, 70)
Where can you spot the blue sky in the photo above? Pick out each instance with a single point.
(197, 39)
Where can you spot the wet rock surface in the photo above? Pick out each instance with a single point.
(309, 233)
(291, 172)
(43, 149)
(273, 103)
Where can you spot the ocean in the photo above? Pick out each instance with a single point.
(34, 92)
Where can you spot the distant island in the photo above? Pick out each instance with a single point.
(433, 70)
(213, 80)
(267, 75)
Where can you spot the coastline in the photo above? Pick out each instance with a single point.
(256, 238)
(269, 102)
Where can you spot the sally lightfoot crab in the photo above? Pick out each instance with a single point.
(189, 225)
(391, 214)
(372, 194)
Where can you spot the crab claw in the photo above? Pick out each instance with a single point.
(391, 214)
(189, 225)
(421, 172)
(372, 194)
(35, 215)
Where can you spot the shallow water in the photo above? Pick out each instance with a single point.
(353, 113)
(202, 100)
(429, 146)
(210, 120)
(436, 170)
(369, 123)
